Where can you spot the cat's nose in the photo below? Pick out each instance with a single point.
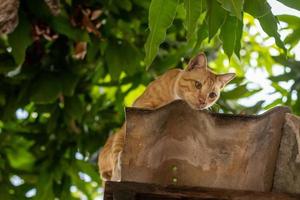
(201, 101)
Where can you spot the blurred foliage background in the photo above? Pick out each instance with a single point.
(68, 68)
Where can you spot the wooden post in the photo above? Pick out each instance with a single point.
(176, 145)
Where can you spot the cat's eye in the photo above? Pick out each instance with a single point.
(198, 85)
(212, 95)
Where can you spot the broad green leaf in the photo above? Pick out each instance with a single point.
(293, 64)
(193, 10)
(69, 2)
(235, 93)
(269, 25)
(273, 104)
(130, 58)
(238, 34)
(235, 7)
(45, 187)
(257, 8)
(215, 17)
(296, 85)
(291, 3)
(113, 61)
(62, 25)
(74, 107)
(283, 77)
(261, 10)
(161, 16)
(254, 109)
(122, 56)
(172, 59)
(292, 21)
(69, 82)
(239, 92)
(125, 5)
(88, 168)
(17, 153)
(293, 38)
(20, 39)
(231, 33)
(142, 4)
(52, 122)
(282, 60)
(201, 35)
(279, 89)
(20, 158)
(45, 89)
(80, 184)
(93, 50)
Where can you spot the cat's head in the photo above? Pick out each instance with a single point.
(199, 86)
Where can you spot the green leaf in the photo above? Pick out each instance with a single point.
(18, 155)
(45, 89)
(255, 108)
(69, 82)
(193, 10)
(122, 56)
(235, 93)
(62, 25)
(291, 3)
(125, 5)
(231, 33)
(112, 61)
(20, 158)
(161, 16)
(238, 35)
(269, 25)
(45, 187)
(20, 39)
(235, 7)
(215, 17)
(279, 89)
(130, 58)
(283, 77)
(239, 92)
(292, 21)
(257, 8)
(52, 122)
(273, 104)
(74, 107)
(261, 10)
(202, 34)
(89, 169)
(293, 38)
(80, 184)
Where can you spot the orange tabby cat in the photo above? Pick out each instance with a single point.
(197, 85)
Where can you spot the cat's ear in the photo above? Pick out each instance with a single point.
(225, 78)
(198, 61)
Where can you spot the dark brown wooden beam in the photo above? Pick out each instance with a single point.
(144, 191)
